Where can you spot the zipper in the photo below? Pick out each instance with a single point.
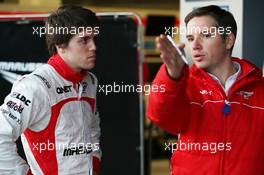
(79, 91)
(224, 97)
(224, 114)
(224, 127)
(222, 156)
(226, 111)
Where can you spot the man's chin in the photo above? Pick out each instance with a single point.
(88, 67)
(201, 65)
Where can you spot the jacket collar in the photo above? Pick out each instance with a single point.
(247, 69)
(64, 70)
(249, 73)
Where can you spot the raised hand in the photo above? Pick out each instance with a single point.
(170, 57)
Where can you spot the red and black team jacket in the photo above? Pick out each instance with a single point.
(219, 133)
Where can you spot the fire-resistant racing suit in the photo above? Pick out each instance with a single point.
(53, 109)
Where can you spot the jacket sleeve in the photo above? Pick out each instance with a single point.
(96, 133)
(169, 109)
(17, 114)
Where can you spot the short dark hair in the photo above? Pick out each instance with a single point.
(222, 17)
(67, 16)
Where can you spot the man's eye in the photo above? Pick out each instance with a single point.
(83, 40)
(206, 35)
(189, 39)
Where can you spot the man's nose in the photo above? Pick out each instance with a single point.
(92, 45)
(196, 44)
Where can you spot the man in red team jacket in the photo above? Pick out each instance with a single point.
(216, 106)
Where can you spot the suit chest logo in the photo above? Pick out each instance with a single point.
(245, 94)
(64, 89)
(205, 92)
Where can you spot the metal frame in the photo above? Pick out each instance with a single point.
(140, 47)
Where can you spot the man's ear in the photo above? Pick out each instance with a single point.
(60, 48)
(230, 41)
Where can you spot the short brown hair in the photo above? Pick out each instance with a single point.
(67, 16)
(222, 18)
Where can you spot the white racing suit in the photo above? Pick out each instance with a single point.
(53, 109)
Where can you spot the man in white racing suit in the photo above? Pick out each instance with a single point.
(53, 108)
